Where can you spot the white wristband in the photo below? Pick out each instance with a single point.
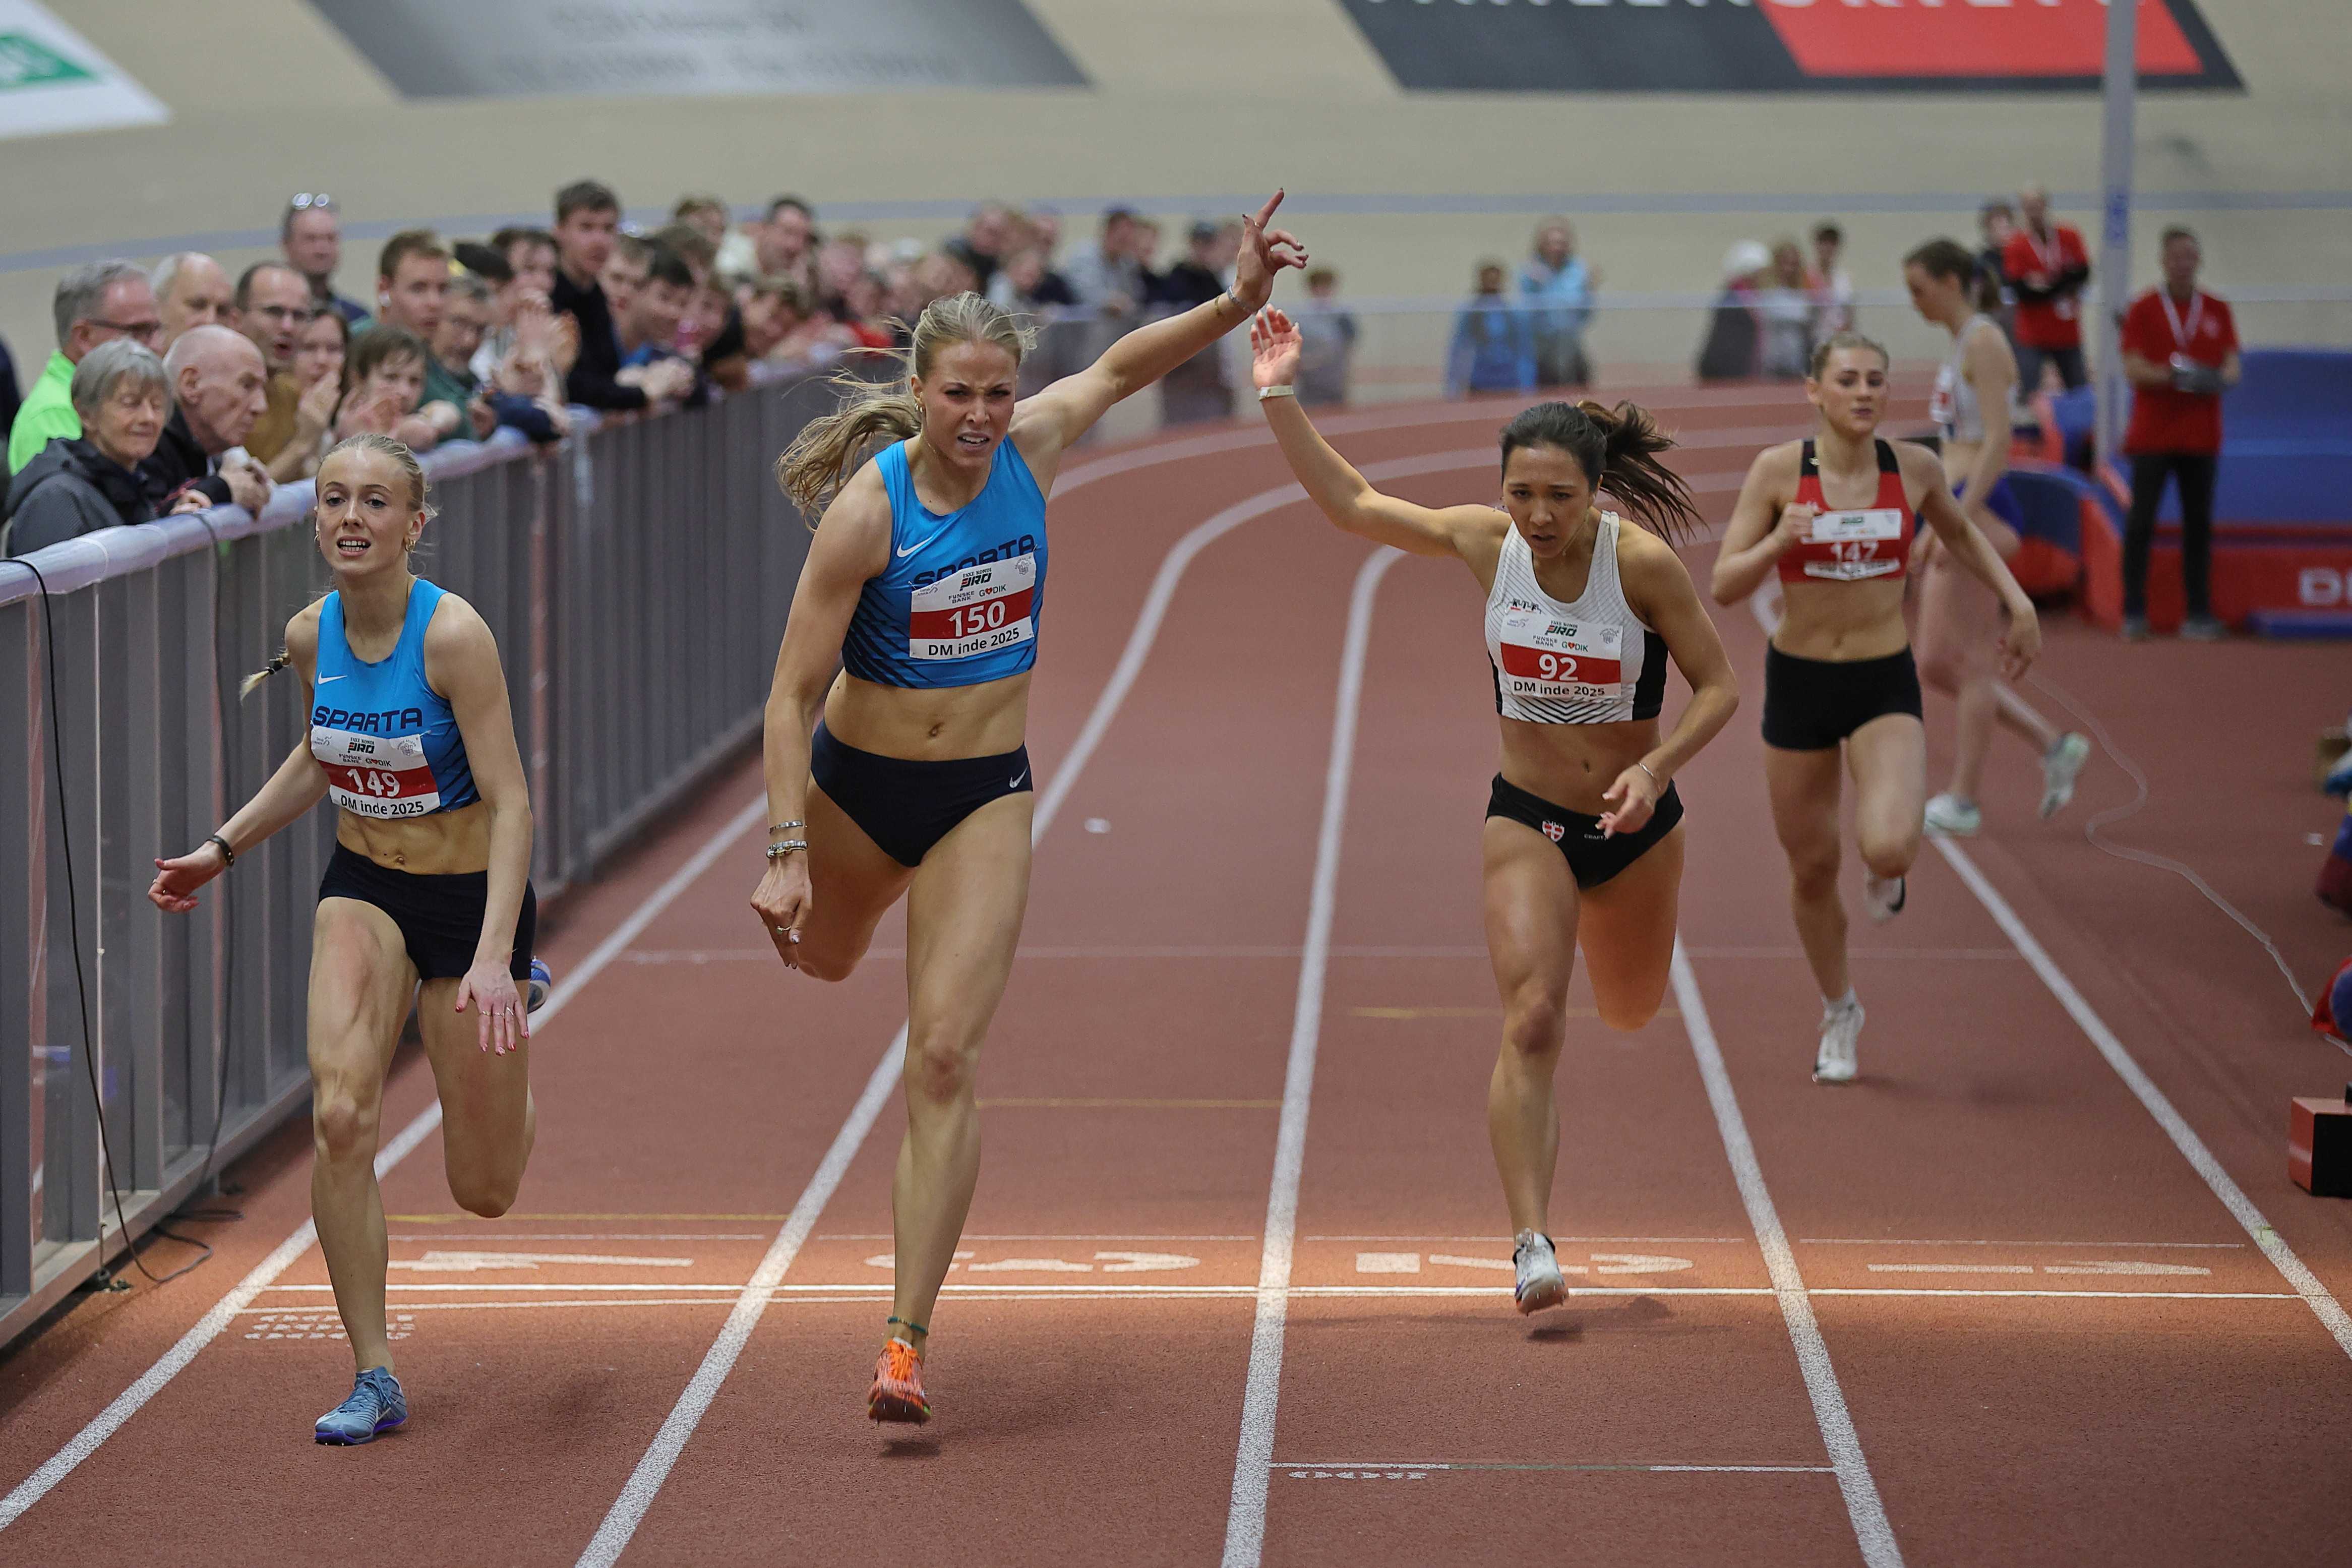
(1265, 392)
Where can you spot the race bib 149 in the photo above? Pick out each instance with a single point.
(376, 775)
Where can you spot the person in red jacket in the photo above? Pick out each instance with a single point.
(2046, 265)
(2180, 351)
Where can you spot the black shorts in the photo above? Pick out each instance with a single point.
(1812, 704)
(908, 806)
(1591, 859)
(440, 918)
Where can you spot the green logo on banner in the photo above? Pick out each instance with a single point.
(28, 62)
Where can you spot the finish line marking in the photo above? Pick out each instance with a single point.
(1872, 1530)
(1245, 1514)
(1403, 1470)
(265, 1273)
(2323, 1303)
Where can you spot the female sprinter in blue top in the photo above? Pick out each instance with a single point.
(925, 585)
(1583, 837)
(1836, 517)
(411, 737)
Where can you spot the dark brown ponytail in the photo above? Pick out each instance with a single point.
(1618, 450)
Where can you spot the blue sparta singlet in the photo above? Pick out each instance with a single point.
(388, 741)
(958, 604)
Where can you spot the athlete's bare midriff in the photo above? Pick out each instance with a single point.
(1840, 622)
(929, 723)
(1571, 764)
(444, 844)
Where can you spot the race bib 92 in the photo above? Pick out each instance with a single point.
(1547, 658)
(383, 776)
(976, 610)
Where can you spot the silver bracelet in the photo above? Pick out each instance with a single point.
(1265, 392)
(785, 847)
(1653, 777)
(776, 828)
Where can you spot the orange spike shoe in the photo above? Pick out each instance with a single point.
(898, 1391)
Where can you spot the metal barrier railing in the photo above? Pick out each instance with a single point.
(637, 578)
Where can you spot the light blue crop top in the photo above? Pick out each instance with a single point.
(958, 604)
(388, 741)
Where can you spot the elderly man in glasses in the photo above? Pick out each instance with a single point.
(96, 302)
(311, 235)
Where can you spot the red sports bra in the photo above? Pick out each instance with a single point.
(1853, 546)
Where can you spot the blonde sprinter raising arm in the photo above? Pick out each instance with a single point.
(1836, 517)
(925, 586)
(409, 732)
(1583, 839)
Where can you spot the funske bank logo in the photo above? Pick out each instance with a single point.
(1780, 45)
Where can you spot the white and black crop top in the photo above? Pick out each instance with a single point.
(1591, 662)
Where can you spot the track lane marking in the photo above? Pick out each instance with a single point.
(209, 1327)
(628, 1510)
(1864, 1506)
(2307, 1285)
(1245, 1514)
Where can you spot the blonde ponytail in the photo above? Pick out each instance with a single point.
(245, 688)
(832, 446)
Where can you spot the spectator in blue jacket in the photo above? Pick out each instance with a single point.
(1558, 287)
(1494, 347)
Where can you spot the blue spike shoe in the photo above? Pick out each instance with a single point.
(376, 1407)
(543, 981)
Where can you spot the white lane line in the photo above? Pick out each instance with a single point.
(1863, 1505)
(1459, 1466)
(628, 1510)
(168, 1365)
(2324, 1305)
(1245, 1515)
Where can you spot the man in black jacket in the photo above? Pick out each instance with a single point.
(220, 384)
(587, 215)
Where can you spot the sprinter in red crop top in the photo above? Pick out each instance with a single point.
(1833, 518)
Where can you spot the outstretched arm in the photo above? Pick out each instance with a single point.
(1046, 425)
(1330, 481)
(299, 784)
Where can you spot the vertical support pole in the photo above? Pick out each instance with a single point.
(2112, 289)
(24, 750)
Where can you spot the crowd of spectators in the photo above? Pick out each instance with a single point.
(210, 389)
(1775, 304)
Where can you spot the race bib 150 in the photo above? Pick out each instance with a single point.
(977, 610)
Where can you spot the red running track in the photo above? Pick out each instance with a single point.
(1237, 1285)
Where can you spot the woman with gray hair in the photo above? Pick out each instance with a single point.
(77, 485)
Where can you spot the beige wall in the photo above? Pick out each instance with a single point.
(1202, 98)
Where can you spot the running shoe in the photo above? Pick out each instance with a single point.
(898, 1391)
(1540, 1285)
(1882, 896)
(1841, 1031)
(2134, 628)
(376, 1407)
(2203, 629)
(543, 981)
(2060, 765)
(1954, 817)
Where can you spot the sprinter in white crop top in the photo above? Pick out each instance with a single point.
(1584, 823)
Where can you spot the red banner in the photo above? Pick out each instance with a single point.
(1968, 39)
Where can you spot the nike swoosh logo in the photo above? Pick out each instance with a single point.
(1017, 778)
(324, 679)
(912, 548)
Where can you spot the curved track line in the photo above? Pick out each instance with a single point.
(1862, 1504)
(2324, 1305)
(1246, 1515)
(223, 1311)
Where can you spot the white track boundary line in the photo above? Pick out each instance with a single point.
(1245, 1515)
(628, 1510)
(2324, 1305)
(1863, 1505)
(265, 1273)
